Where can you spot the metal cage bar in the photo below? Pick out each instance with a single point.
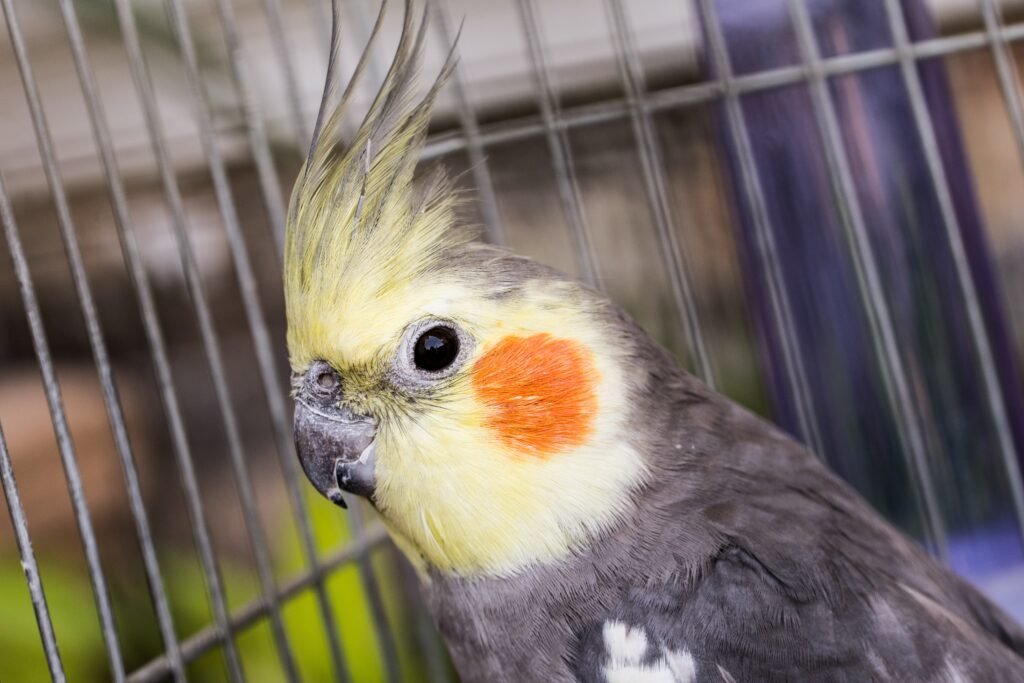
(558, 147)
(10, 486)
(908, 421)
(703, 92)
(151, 324)
(243, 269)
(478, 164)
(1009, 82)
(378, 616)
(259, 330)
(174, 200)
(246, 495)
(631, 74)
(274, 206)
(300, 124)
(266, 171)
(1006, 68)
(276, 214)
(554, 124)
(923, 121)
(426, 633)
(96, 342)
(212, 636)
(767, 250)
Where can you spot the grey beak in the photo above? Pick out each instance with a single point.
(336, 449)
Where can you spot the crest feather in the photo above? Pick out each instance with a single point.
(354, 215)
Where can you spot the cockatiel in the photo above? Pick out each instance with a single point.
(578, 507)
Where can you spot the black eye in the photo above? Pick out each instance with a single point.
(436, 349)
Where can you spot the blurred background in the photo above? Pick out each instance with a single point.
(814, 203)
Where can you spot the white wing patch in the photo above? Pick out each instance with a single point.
(951, 673)
(624, 644)
(627, 647)
(681, 664)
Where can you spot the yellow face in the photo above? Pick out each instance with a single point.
(500, 422)
(489, 431)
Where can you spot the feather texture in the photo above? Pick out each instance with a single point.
(356, 224)
(580, 508)
(367, 259)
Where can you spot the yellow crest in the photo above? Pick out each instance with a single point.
(356, 225)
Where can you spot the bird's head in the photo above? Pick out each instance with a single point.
(479, 401)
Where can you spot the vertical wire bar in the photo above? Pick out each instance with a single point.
(276, 210)
(172, 194)
(471, 131)
(1009, 81)
(933, 158)
(378, 618)
(382, 630)
(1006, 69)
(247, 496)
(384, 635)
(10, 486)
(653, 166)
(765, 241)
(435, 657)
(147, 308)
(271, 191)
(381, 627)
(558, 147)
(84, 294)
(433, 649)
(302, 128)
(908, 420)
(270, 184)
(377, 613)
(257, 324)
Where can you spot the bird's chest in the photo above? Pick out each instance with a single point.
(504, 636)
(511, 660)
(548, 624)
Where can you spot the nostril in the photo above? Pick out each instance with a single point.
(323, 380)
(328, 380)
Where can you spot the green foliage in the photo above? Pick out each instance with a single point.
(350, 604)
(70, 599)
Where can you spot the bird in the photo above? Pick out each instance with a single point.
(576, 505)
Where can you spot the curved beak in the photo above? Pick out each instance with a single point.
(336, 449)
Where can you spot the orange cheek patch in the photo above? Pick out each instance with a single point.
(540, 391)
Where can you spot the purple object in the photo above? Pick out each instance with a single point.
(903, 220)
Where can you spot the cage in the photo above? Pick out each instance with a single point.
(813, 203)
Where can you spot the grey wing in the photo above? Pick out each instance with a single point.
(993, 619)
(801, 581)
(739, 623)
(742, 623)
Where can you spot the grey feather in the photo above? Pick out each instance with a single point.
(744, 552)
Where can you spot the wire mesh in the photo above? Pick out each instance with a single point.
(472, 137)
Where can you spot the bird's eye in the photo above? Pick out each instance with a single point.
(431, 351)
(436, 349)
